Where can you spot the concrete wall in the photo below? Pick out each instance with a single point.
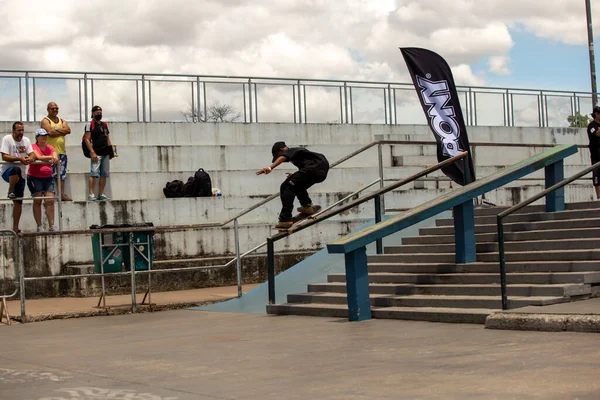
(152, 154)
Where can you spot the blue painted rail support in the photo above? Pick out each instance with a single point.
(555, 201)
(378, 242)
(271, 269)
(357, 285)
(464, 226)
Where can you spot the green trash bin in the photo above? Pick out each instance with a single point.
(109, 249)
(143, 248)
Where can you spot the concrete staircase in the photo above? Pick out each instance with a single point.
(551, 258)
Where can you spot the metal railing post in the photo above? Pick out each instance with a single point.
(341, 107)
(79, 93)
(238, 259)
(385, 108)
(33, 96)
(271, 269)
(381, 182)
(379, 242)
(85, 96)
(59, 196)
(502, 258)
(20, 99)
(250, 98)
(27, 96)
(21, 266)
(137, 100)
(304, 102)
(299, 103)
(143, 98)
(346, 100)
(206, 104)
(198, 99)
(132, 269)
(149, 101)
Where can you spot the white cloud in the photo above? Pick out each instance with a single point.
(346, 39)
(499, 65)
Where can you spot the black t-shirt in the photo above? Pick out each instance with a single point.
(594, 145)
(306, 159)
(99, 137)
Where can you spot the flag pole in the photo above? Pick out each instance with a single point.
(588, 13)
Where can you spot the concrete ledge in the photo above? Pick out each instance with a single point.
(544, 322)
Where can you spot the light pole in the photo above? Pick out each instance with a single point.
(588, 12)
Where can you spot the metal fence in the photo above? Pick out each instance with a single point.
(194, 98)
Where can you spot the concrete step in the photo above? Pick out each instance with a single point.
(524, 245)
(550, 255)
(558, 234)
(171, 212)
(432, 314)
(490, 302)
(189, 157)
(480, 267)
(565, 290)
(313, 310)
(518, 226)
(538, 208)
(530, 217)
(538, 278)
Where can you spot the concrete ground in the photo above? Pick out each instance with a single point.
(73, 307)
(187, 355)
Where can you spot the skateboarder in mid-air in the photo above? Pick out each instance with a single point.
(312, 168)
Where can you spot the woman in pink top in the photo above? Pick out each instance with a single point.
(39, 179)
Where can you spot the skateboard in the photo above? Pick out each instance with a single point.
(300, 217)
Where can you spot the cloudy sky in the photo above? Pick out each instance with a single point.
(509, 43)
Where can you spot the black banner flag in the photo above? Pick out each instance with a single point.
(435, 86)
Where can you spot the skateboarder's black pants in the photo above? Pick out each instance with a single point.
(295, 186)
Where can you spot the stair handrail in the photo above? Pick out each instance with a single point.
(353, 246)
(326, 214)
(500, 217)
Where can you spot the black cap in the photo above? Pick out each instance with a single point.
(96, 108)
(595, 111)
(275, 149)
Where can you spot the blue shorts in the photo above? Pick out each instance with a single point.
(40, 185)
(63, 167)
(101, 168)
(20, 185)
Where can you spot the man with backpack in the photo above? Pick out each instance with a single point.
(97, 141)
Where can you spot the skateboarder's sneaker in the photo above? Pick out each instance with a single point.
(308, 209)
(284, 224)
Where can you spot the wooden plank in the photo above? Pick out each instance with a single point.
(394, 224)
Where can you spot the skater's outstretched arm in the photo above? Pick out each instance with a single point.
(267, 170)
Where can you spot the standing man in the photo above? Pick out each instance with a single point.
(97, 140)
(593, 131)
(16, 149)
(57, 129)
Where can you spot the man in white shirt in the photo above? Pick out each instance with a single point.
(16, 148)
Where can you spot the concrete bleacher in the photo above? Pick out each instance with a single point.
(151, 154)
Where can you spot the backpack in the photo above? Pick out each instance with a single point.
(203, 184)
(173, 189)
(189, 188)
(84, 148)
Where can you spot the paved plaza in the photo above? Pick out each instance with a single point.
(200, 355)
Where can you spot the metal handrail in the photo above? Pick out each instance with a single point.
(513, 209)
(143, 97)
(133, 272)
(316, 219)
